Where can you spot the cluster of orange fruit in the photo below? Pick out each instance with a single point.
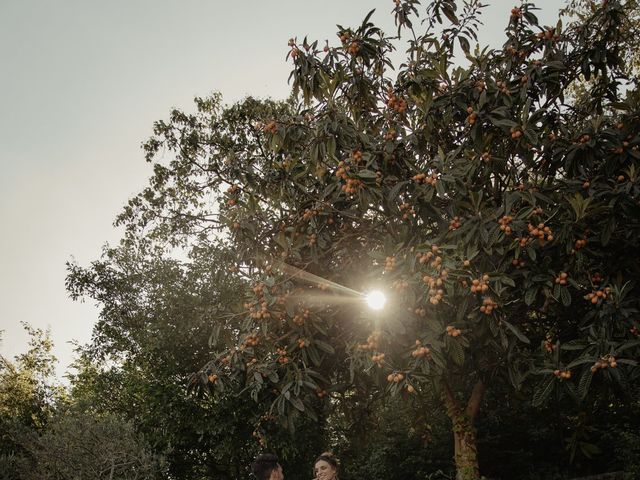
(258, 312)
(421, 312)
(373, 341)
(398, 104)
(541, 232)
(282, 356)
(518, 262)
(352, 186)
(597, 295)
(344, 35)
(561, 279)
(302, 343)
(395, 377)
(309, 213)
(511, 50)
(432, 282)
(435, 296)
(342, 170)
(251, 362)
(608, 361)
(547, 34)
(453, 331)
(353, 48)
(504, 224)
(299, 318)
(424, 257)
(437, 264)
(562, 374)
(454, 224)
(321, 393)
(503, 87)
(580, 243)
(408, 211)
(251, 340)
(480, 285)
(270, 127)
(213, 378)
(389, 264)
(472, 117)
(431, 179)
(378, 359)
(516, 133)
(549, 346)
(312, 239)
(400, 285)
(420, 351)
(488, 306)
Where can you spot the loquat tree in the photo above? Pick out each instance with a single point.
(502, 219)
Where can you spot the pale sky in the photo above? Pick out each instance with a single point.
(81, 83)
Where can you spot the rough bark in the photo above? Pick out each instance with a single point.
(464, 434)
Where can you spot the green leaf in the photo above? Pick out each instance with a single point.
(455, 351)
(516, 331)
(565, 297)
(585, 382)
(367, 174)
(530, 295)
(542, 391)
(324, 346)
(393, 193)
(296, 402)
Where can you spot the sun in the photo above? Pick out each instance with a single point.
(375, 299)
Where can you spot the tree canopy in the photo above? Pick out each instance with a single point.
(501, 216)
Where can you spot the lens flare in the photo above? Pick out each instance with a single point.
(375, 299)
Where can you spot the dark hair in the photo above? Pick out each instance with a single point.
(330, 458)
(263, 466)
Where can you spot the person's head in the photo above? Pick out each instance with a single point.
(326, 467)
(266, 467)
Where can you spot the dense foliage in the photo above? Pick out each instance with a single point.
(503, 218)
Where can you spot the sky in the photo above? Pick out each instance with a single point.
(81, 83)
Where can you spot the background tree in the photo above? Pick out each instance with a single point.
(155, 330)
(28, 397)
(76, 445)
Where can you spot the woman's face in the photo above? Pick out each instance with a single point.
(324, 470)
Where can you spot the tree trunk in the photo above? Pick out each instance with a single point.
(464, 437)
(464, 434)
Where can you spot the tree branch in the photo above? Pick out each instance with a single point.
(474, 401)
